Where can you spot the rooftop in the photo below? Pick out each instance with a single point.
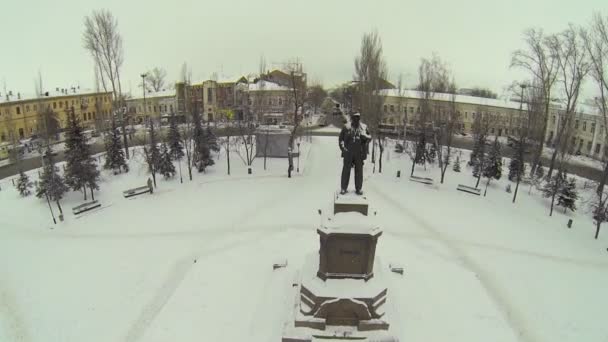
(12, 96)
(266, 85)
(154, 94)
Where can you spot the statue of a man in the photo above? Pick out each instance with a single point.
(354, 142)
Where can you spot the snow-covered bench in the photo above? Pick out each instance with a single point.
(423, 180)
(136, 191)
(79, 209)
(469, 189)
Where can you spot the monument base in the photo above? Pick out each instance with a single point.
(351, 309)
(351, 202)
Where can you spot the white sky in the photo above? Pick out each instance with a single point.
(475, 37)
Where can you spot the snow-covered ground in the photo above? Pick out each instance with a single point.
(193, 261)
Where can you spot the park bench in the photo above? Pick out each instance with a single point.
(79, 209)
(469, 189)
(279, 264)
(136, 191)
(423, 180)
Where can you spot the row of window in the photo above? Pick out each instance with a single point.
(54, 105)
(155, 109)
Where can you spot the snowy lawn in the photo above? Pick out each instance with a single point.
(193, 261)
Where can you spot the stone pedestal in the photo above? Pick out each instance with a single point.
(347, 246)
(350, 202)
(342, 292)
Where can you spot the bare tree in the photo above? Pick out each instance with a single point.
(540, 61)
(370, 73)
(596, 44)
(103, 41)
(155, 79)
(573, 66)
(297, 85)
(316, 95)
(401, 93)
(446, 130)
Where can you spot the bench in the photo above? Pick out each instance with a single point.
(136, 191)
(279, 264)
(396, 269)
(79, 209)
(469, 189)
(423, 180)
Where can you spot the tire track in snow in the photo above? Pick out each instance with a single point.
(495, 292)
(11, 320)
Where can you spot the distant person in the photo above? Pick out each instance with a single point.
(353, 141)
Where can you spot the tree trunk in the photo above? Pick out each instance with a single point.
(179, 164)
(84, 190)
(413, 165)
(61, 212)
(597, 229)
(478, 178)
(154, 178)
(381, 149)
(516, 188)
(552, 201)
(92, 195)
(374, 155)
(552, 164)
(486, 190)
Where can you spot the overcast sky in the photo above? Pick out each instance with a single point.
(475, 37)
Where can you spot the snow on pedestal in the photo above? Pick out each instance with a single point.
(350, 202)
(342, 292)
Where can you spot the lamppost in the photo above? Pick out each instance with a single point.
(298, 167)
(143, 88)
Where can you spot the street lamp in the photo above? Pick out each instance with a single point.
(298, 167)
(143, 87)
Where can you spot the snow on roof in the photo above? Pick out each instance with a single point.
(351, 223)
(57, 92)
(149, 95)
(266, 85)
(448, 97)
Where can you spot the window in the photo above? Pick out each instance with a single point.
(210, 95)
(589, 146)
(580, 143)
(60, 104)
(35, 107)
(553, 120)
(385, 108)
(466, 115)
(54, 105)
(576, 124)
(473, 115)
(66, 103)
(27, 108)
(593, 127)
(392, 109)
(154, 109)
(584, 126)
(412, 110)
(597, 148)
(18, 109)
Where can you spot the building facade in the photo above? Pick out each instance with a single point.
(20, 114)
(216, 99)
(587, 131)
(407, 105)
(270, 103)
(156, 106)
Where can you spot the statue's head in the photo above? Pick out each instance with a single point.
(355, 118)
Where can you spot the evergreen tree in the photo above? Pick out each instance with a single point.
(552, 188)
(212, 140)
(24, 184)
(516, 167)
(492, 168)
(115, 156)
(539, 173)
(432, 153)
(456, 167)
(568, 195)
(50, 183)
(166, 167)
(175, 140)
(81, 169)
(152, 154)
(476, 148)
(421, 154)
(202, 155)
(479, 158)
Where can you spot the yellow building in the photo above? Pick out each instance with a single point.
(399, 106)
(19, 113)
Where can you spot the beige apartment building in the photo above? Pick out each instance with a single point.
(588, 132)
(156, 106)
(19, 113)
(397, 106)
